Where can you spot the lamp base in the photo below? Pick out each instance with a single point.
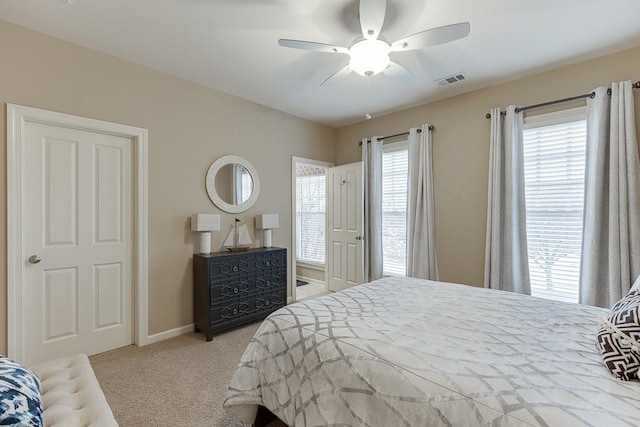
(267, 238)
(205, 242)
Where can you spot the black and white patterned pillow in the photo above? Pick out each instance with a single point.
(618, 338)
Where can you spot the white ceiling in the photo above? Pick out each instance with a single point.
(231, 45)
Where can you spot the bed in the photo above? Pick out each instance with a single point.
(411, 352)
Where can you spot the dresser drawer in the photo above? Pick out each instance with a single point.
(268, 301)
(255, 262)
(270, 280)
(228, 267)
(236, 310)
(269, 261)
(232, 289)
(232, 311)
(247, 285)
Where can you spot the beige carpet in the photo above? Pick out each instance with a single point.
(181, 381)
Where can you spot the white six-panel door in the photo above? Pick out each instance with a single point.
(345, 226)
(77, 224)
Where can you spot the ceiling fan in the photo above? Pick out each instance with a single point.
(370, 55)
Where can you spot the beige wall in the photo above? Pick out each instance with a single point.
(189, 126)
(461, 150)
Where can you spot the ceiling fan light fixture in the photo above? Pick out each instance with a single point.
(369, 57)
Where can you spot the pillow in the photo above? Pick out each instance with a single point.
(20, 399)
(618, 338)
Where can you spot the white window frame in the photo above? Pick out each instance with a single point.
(292, 255)
(304, 261)
(555, 118)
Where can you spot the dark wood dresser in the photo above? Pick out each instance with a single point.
(234, 288)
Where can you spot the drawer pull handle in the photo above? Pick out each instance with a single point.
(267, 303)
(235, 290)
(268, 283)
(235, 268)
(235, 311)
(268, 263)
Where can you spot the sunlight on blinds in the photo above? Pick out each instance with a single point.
(394, 212)
(554, 165)
(310, 213)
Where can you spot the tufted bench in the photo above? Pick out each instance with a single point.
(71, 395)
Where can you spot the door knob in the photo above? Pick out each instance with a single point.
(358, 237)
(34, 259)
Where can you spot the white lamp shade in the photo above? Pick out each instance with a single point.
(205, 222)
(267, 221)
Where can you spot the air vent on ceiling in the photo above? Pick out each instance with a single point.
(454, 78)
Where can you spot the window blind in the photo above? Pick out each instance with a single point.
(310, 213)
(395, 164)
(247, 186)
(554, 166)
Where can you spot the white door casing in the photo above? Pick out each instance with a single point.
(345, 254)
(77, 198)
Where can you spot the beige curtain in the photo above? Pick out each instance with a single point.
(372, 159)
(421, 240)
(611, 232)
(506, 256)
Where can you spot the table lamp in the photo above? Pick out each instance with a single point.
(267, 222)
(205, 224)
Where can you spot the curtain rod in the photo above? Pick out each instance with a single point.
(635, 85)
(431, 128)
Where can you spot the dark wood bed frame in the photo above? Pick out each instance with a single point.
(265, 418)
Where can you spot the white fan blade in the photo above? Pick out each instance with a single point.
(398, 73)
(433, 37)
(372, 17)
(313, 46)
(337, 76)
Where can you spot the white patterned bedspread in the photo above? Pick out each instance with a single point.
(409, 352)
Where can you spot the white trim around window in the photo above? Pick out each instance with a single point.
(292, 255)
(394, 218)
(554, 166)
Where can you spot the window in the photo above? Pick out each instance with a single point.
(395, 164)
(243, 184)
(310, 213)
(554, 167)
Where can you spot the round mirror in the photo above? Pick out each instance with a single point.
(232, 184)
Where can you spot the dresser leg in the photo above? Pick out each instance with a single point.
(209, 336)
(196, 329)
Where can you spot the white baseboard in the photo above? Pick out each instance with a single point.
(310, 266)
(161, 336)
(289, 300)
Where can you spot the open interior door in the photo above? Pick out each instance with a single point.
(345, 252)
